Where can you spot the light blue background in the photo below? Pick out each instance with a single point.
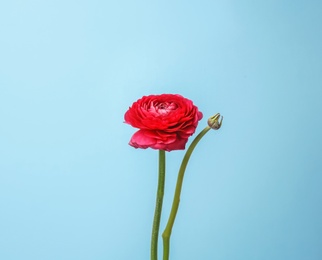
(72, 188)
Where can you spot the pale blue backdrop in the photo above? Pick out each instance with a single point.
(70, 186)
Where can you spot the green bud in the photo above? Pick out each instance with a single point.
(214, 122)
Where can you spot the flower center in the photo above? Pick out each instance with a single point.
(162, 108)
(165, 108)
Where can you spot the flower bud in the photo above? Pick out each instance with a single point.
(214, 123)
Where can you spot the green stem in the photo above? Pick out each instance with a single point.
(158, 206)
(176, 200)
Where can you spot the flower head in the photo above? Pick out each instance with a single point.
(165, 121)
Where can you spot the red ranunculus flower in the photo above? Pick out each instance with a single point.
(165, 121)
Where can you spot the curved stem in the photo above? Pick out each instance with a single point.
(158, 206)
(176, 200)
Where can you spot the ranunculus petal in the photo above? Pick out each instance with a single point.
(179, 144)
(141, 140)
